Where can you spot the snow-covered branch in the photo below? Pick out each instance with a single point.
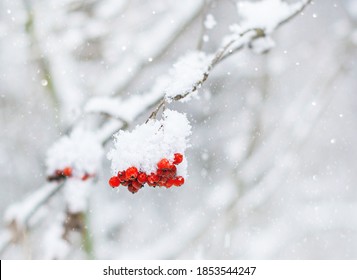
(185, 78)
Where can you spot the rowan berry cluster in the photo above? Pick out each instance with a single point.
(66, 172)
(165, 176)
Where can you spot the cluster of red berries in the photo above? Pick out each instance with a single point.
(66, 172)
(165, 176)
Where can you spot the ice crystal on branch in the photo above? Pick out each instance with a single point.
(78, 155)
(148, 143)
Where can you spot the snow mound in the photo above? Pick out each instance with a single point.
(265, 14)
(76, 195)
(81, 150)
(148, 143)
(186, 72)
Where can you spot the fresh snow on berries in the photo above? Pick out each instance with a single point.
(141, 150)
(78, 155)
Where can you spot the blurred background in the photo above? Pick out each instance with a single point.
(273, 156)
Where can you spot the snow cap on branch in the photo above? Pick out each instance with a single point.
(148, 143)
(186, 72)
(81, 150)
(265, 14)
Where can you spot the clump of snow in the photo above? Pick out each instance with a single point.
(20, 212)
(76, 195)
(210, 21)
(265, 14)
(55, 247)
(148, 143)
(186, 72)
(262, 45)
(81, 150)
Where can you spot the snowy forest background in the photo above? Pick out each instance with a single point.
(272, 163)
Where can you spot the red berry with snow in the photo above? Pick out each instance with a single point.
(114, 182)
(163, 164)
(131, 173)
(164, 176)
(178, 158)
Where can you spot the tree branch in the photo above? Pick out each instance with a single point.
(241, 40)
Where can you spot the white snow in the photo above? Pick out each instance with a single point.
(262, 45)
(76, 193)
(148, 143)
(265, 14)
(128, 109)
(20, 212)
(55, 247)
(186, 72)
(210, 21)
(81, 150)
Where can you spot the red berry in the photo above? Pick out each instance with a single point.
(163, 164)
(173, 168)
(151, 184)
(86, 176)
(179, 181)
(67, 171)
(136, 184)
(153, 178)
(58, 172)
(162, 181)
(132, 189)
(169, 183)
(131, 173)
(160, 172)
(114, 182)
(142, 178)
(121, 176)
(178, 158)
(125, 183)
